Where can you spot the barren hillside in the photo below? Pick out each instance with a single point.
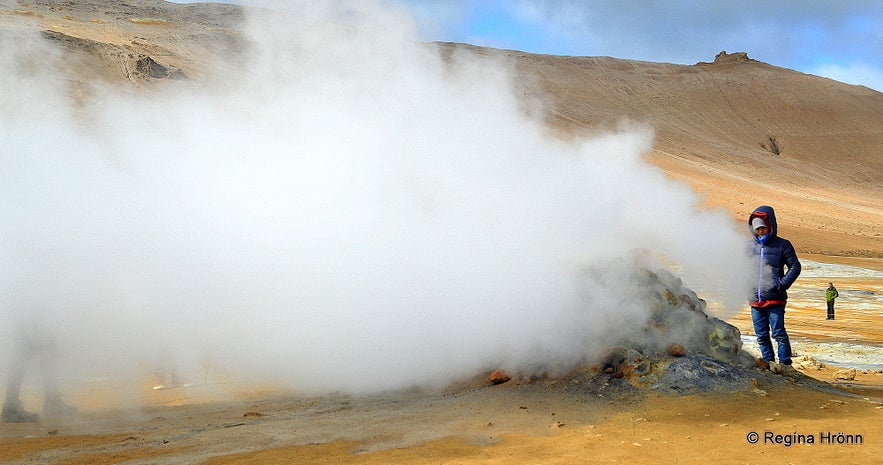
(742, 132)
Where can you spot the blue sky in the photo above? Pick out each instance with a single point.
(842, 40)
(839, 39)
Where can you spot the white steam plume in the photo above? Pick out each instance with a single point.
(351, 213)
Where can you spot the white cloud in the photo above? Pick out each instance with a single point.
(858, 74)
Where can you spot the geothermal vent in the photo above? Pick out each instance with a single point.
(679, 349)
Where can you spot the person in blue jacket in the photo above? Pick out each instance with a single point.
(777, 269)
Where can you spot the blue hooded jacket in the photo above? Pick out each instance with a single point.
(774, 255)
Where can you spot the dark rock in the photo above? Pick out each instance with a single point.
(699, 373)
(149, 67)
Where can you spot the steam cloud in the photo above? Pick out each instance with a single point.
(349, 213)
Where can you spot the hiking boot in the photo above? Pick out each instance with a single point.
(55, 407)
(15, 413)
(762, 364)
(784, 369)
(788, 369)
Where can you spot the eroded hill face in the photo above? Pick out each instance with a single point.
(742, 132)
(139, 43)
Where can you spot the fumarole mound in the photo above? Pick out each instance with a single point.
(680, 349)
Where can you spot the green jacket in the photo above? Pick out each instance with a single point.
(831, 294)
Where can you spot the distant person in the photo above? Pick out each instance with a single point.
(31, 344)
(831, 294)
(774, 255)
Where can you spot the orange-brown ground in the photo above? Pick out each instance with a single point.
(503, 424)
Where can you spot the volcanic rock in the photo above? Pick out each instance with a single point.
(735, 57)
(804, 362)
(678, 317)
(699, 373)
(676, 350)
(680, 349)
(498, 377)
(149, 67)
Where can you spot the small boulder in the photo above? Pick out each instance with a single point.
(676, 350)
(498, 377)
(847, 375)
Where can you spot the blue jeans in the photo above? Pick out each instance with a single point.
(769, 320)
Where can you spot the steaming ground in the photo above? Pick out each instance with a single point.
(350, 213)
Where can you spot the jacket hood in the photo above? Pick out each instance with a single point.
(768, 215)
